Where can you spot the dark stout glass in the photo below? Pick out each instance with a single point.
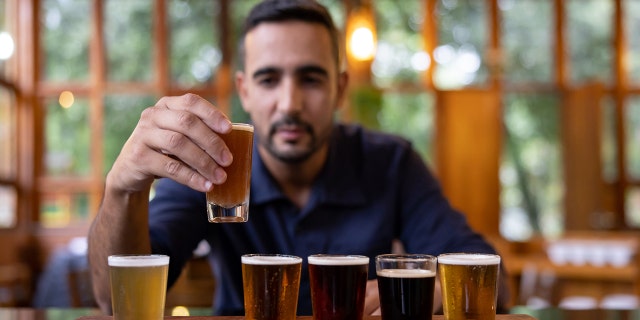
(271, 284)
(338, 285)
(406, 294)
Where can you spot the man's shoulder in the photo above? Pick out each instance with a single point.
(355, 134)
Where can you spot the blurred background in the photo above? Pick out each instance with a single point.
(528, 111)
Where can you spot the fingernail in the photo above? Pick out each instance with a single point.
(207, 185)
(224, 124)
(220, 175)
(227, 158)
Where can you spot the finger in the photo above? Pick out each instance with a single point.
(185, 127)
(212, 116)
(371, 300)
(377, 312)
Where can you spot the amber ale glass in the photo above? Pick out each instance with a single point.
(469, 285)
(271, 283)
(405, 285)
(138, 286)
(229, 202)
(338, 285)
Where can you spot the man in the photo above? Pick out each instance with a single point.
(317, 186)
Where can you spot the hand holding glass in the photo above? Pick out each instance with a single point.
(229, 202)
(138, 286)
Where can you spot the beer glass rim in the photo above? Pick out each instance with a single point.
(280, 259)
(137, 260)
(327, 259)
(405, 257)
(469, 258)
(242, 126)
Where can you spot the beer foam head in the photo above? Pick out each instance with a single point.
(469, 259)
(338, 260)
(406, 273)
(270, 259)
(138, 260)
(242, 126)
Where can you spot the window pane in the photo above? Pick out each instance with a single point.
(128, 37)
(8, 135)
(609, 142)
(632, 207)
(631, 13)
(195, 53)
(530, 173)
(64, 209)
(8, 213)
(527, 33)
(121, 114)
(336, 9)
(400, 56)
(462, 37)
(239, 11)
(67, 139)
(65, 39)
(632, 126)
(590, 33)
(411, 116)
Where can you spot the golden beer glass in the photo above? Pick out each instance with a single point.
(138, 286)
(469, 284)
(229, 202)
(271, 283)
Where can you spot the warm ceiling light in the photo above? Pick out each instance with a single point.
(66, 99)
(361, 34)
(6, 45)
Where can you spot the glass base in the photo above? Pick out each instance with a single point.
(219, 214)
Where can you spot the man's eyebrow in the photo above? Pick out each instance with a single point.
(266, 70)
(312, 69)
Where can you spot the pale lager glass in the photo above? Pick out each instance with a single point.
(271, 284)
(469, 285)
(229, 202)
(138, 286)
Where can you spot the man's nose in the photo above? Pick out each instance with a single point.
(290, 98)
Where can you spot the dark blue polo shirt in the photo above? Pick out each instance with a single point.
(373, 189)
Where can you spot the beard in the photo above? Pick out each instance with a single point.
(294, 152)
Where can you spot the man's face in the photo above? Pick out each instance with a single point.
(291, 87)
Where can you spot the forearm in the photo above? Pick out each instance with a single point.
(121, 226)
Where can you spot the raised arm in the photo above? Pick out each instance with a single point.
(178, 139)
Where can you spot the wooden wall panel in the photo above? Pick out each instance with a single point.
(468, 148)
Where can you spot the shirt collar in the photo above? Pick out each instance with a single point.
(340, 182)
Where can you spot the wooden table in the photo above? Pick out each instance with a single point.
(435, 317)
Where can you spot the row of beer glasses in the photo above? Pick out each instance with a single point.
(405, 284)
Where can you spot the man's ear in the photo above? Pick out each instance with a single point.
(241, 88)
(343, 82)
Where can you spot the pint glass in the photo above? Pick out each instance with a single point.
(229, 202)
(338, 285)
(469, 285)
(405, 285)
(271, 284)
(138, 286)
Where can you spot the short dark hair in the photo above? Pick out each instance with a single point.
(287, 10)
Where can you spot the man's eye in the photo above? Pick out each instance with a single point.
(311, 80)
(267, 81)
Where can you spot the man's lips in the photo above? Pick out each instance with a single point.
(290, 132)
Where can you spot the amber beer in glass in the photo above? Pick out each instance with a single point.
(229, 202)
(271, 284)
(405, 284)
(338, 285)
(138, 286)
(469, 285)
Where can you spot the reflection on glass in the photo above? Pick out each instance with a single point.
(400, 57)
(8, 213)
(67, 137)
(64, 209)
(65, 39)
(631, 13)
(128, 37)
(195, 53)
(590, 35)
(632, 128)
(527, 37)
(530, 173)
(8, 136)
(121, 114)
(411, 116)
(462, 39)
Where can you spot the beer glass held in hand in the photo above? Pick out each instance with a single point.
(270, 284)
(469, 285)
(229, 202)
(138, 286)
(406, 284)
(338, 285)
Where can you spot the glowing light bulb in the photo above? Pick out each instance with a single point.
(66, 99)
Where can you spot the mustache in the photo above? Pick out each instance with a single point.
(290, 121)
